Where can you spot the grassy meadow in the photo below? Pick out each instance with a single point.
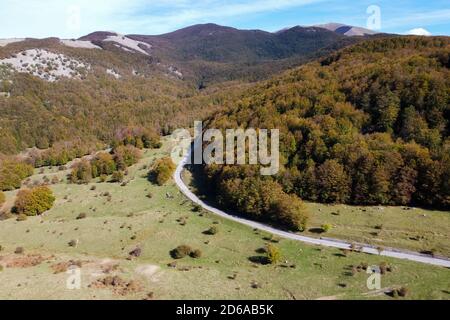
(119, 219)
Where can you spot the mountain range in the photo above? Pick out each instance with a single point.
(209, 53)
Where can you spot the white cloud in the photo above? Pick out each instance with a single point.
(419, 32)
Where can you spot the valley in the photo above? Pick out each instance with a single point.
(93, 207)
(227, 269)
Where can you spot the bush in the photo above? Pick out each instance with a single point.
(117, 176)
(21, 217)
(162, 170)
(126, 156)
(273, 254)
(403, 291)
(2, 198)
(103, 164)
(81, 216)
(326, 227)
(72, 243)
(19, 250)
(196, 254)
(290, 211)
(12, 173)
(81, 173)
(212, 231)
(32, 202)
(181, 252)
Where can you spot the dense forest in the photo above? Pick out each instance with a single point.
(367, 125)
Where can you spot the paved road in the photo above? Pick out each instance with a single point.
(334, 243)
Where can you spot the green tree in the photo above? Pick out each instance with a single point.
(162, 170)
(273, 254)
(104, 164)
(35, 201)
(81, 173)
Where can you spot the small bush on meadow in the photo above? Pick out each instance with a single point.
(273, 254)
(21, 217)
(196, 254)
(81, 216)
(162, 170)
(212, 231)
(181, 252)
(326, 227)
(81, 172)
(117, 176)
(2, 198)
(35, 201)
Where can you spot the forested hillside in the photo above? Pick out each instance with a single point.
(368, 125)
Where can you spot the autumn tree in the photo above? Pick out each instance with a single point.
(35, 201)
(333, 184)
(162, 170)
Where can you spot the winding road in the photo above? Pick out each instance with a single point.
(334, 243)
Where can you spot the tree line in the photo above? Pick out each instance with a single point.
(368, 125)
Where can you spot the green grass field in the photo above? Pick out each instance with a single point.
(128, 218)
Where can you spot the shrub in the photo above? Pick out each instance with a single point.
(126, 156)
(273, 254)
(2, 198)
(326, 227)
(117, 176)
(21, 217)
(12, 173)
(290, 211)
(19, 250)
(136, 252)
(196, 254)
(81, 173)
(103, 164)
(181, 252)
(72, 243)
(212, 231)
(162, 170)
(403, 291)
(35, 201)
(81, 216)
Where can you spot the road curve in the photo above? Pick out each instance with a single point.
(334, 243)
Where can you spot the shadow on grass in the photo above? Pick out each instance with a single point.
(259, 260)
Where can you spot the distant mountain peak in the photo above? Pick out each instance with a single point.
(346, 30)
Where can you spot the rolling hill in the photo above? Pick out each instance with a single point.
(368, 125)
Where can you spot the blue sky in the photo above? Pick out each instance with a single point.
(74, 18)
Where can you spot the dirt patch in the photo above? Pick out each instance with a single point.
(22, 261)
(64, 266)
(117, 285)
